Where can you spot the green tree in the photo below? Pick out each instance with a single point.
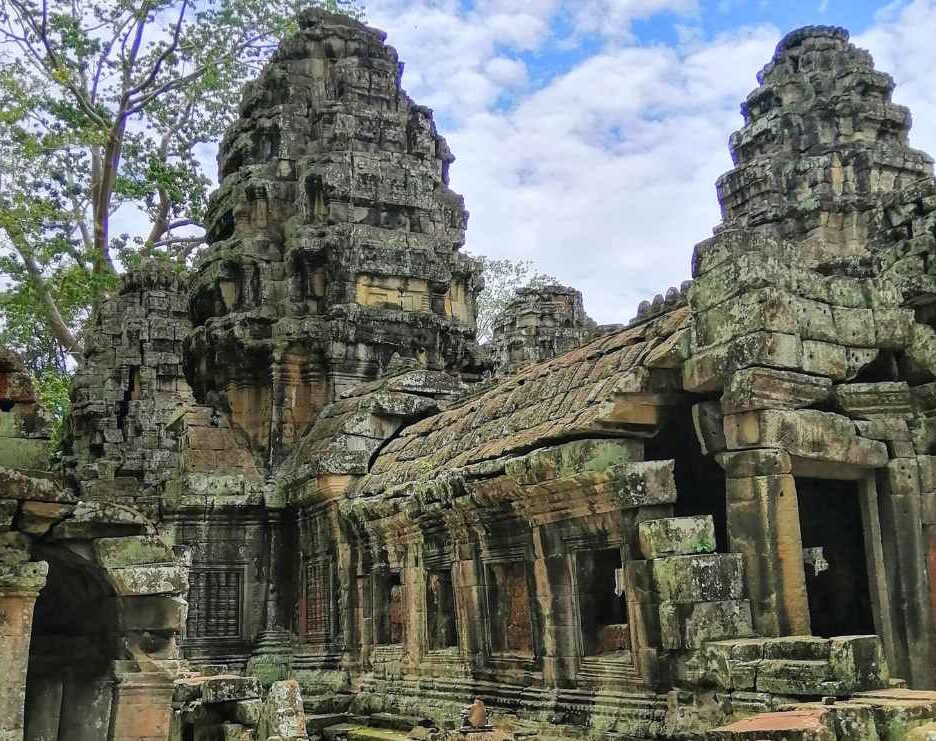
(103, 105)
(502, 278)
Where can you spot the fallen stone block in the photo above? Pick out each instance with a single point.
(227, 688)
(691, 625)
(858, 663)
(676, 536)
(701, 578)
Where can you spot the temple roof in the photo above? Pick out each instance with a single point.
(609, 387)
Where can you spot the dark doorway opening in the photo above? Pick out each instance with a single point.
(700, 481)
(834, 557)
(75, 639)
(440, 610)
(601, 602)
(389, 601)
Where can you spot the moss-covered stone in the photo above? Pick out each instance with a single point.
(676, 536)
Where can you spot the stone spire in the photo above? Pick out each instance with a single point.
(538, 324)
(334, 237)
(822, 142)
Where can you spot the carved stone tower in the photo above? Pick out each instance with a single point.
(334, 238)
(821, 145)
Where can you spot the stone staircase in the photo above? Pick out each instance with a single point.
(346, 726)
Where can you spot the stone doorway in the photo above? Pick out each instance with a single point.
(602, 608)
(834, 557)
(75, 639)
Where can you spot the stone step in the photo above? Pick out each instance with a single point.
(393, 722)
(357, 732)
(595, 671)
(319, 721)
(793, 677)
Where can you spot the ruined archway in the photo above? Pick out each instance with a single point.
(75, 640)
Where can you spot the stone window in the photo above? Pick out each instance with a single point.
(440, 610)
(508, 598)
(216, 596)
(318, 600)
(602, 609)
(388, 609)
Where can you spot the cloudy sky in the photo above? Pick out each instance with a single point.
(589, 133)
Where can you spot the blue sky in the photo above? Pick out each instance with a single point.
(589, 133)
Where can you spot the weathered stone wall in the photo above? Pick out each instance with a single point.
(91, 600)
(24, 425)
(128, 387)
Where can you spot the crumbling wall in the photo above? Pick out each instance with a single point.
(24, 424)
(334, 238)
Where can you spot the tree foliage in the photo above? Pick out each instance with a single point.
(104, 106)
(502, 278)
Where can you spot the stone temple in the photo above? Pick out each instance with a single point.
(294, 501)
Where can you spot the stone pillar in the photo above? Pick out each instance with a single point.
(554, 600)
(469, 604)
(142, 706)
(763, 526)
(413, 576)
(19, 587)
(905, 557)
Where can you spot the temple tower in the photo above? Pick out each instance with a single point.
(821, 144)
(538, 324)
(334, 238)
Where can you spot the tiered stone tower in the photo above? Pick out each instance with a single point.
(822, 142)
(538, 324)
(803, 303)
(334, 237)
(129, 386)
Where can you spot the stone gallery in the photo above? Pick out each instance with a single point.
(296, 499)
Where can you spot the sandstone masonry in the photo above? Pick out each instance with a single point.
(297, 502)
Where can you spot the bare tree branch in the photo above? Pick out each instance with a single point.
(55, 63)
(157, 65)
(140, 103)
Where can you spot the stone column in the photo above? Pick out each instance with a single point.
(19, 587)
(763, 526)
(469, 604)
(904, 552)
(142, 706)
(554, 600)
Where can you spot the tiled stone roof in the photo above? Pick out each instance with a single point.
(572, 395)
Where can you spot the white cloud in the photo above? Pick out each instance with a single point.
(614, 17)
(605, 178)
